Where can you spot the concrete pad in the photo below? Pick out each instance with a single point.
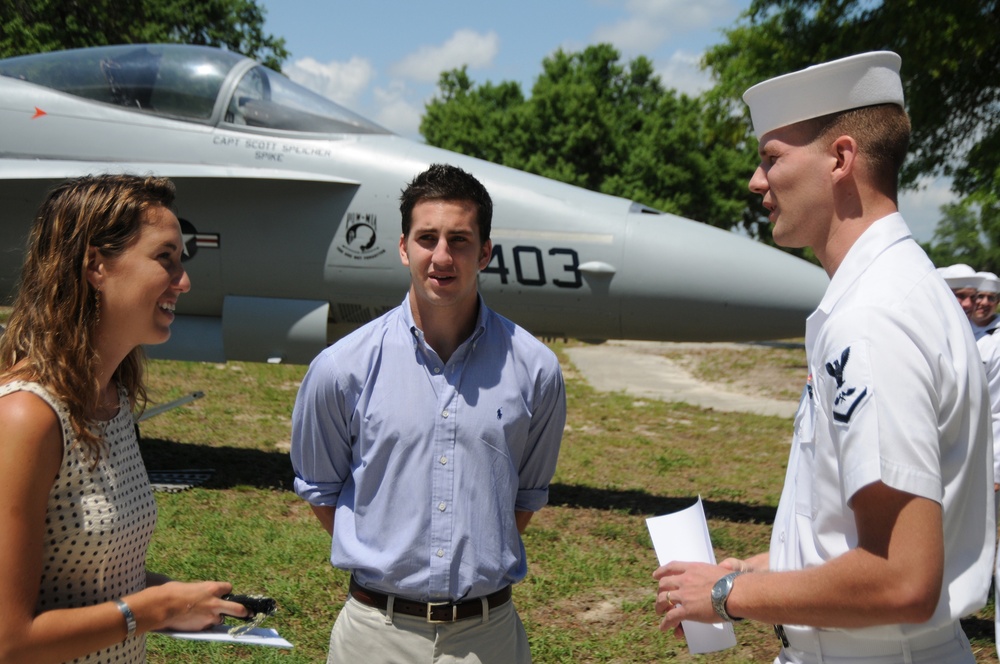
(639, 368)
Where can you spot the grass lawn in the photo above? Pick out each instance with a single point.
(588, 596)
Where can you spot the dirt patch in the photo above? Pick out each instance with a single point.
(775, 372)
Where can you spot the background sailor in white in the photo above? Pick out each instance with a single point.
(967, 286)
(880, 540)
(984, 310)
(988, 341)
(964, 284)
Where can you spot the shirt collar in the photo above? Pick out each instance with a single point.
(878, 237)
(418, 334)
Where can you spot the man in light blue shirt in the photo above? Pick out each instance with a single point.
(424, 442)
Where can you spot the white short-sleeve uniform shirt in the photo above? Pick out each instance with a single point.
(989, 349)
(896, 393)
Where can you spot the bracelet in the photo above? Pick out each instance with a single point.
(129, 618)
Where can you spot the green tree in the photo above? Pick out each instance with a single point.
(485, 122)
(608, 126)
(969, 232)
(951, 56)
(35, 26)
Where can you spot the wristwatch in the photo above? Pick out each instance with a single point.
(720, 594)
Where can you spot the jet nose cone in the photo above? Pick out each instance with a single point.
(707, 284)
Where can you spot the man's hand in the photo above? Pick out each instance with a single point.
(893, 575)
(685, 593)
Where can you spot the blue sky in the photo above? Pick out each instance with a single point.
(382, 58)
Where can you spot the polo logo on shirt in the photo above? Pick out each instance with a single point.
(848, 399)
(499, 413)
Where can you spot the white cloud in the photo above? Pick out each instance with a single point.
(466, 47)
(343, 82)
(682, 73)
(922, 208)
(396, 112)
(649, 24)
(633, 35)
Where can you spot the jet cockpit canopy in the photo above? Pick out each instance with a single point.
(191, 83)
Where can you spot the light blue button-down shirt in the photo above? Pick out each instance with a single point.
(425, 461)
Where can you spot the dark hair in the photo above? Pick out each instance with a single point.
(443, 182)
(54, 317)
(883, 135)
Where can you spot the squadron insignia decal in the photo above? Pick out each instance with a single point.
(360, 236)
(849, 398)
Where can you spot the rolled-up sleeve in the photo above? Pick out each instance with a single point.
(321, 438)
(548, 419)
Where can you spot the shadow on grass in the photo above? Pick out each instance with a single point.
(979, 628)
(234, 466)
(641, 503)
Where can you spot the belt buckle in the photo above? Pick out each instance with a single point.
(433, 605)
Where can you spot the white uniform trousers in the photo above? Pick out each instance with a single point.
(947, 645)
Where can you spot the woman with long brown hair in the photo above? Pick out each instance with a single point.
(101, 277)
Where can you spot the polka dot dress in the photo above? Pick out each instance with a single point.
(98, 524)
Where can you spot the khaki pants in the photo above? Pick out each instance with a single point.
(366, 635)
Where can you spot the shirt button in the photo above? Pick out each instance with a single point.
(441, 506)
(444, 413)
(440, 553)
(437, 370)
(443, 460)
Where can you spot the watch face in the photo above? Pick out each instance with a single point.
(721, 588)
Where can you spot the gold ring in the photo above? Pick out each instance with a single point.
(669, 601)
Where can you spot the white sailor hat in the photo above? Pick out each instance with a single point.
(860, 80)
(989, 282)
(960, 276)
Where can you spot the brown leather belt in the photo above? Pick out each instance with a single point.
(433, 612)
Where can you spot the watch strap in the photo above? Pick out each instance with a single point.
(720, 595)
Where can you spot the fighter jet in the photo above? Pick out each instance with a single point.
(289, 209)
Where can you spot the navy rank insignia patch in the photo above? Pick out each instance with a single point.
(849, 397)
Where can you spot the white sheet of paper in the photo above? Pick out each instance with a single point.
(684, 536)
(258, 636)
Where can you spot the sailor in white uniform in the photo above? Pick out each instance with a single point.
(882, 537)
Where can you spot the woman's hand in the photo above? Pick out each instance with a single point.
(185, 607)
